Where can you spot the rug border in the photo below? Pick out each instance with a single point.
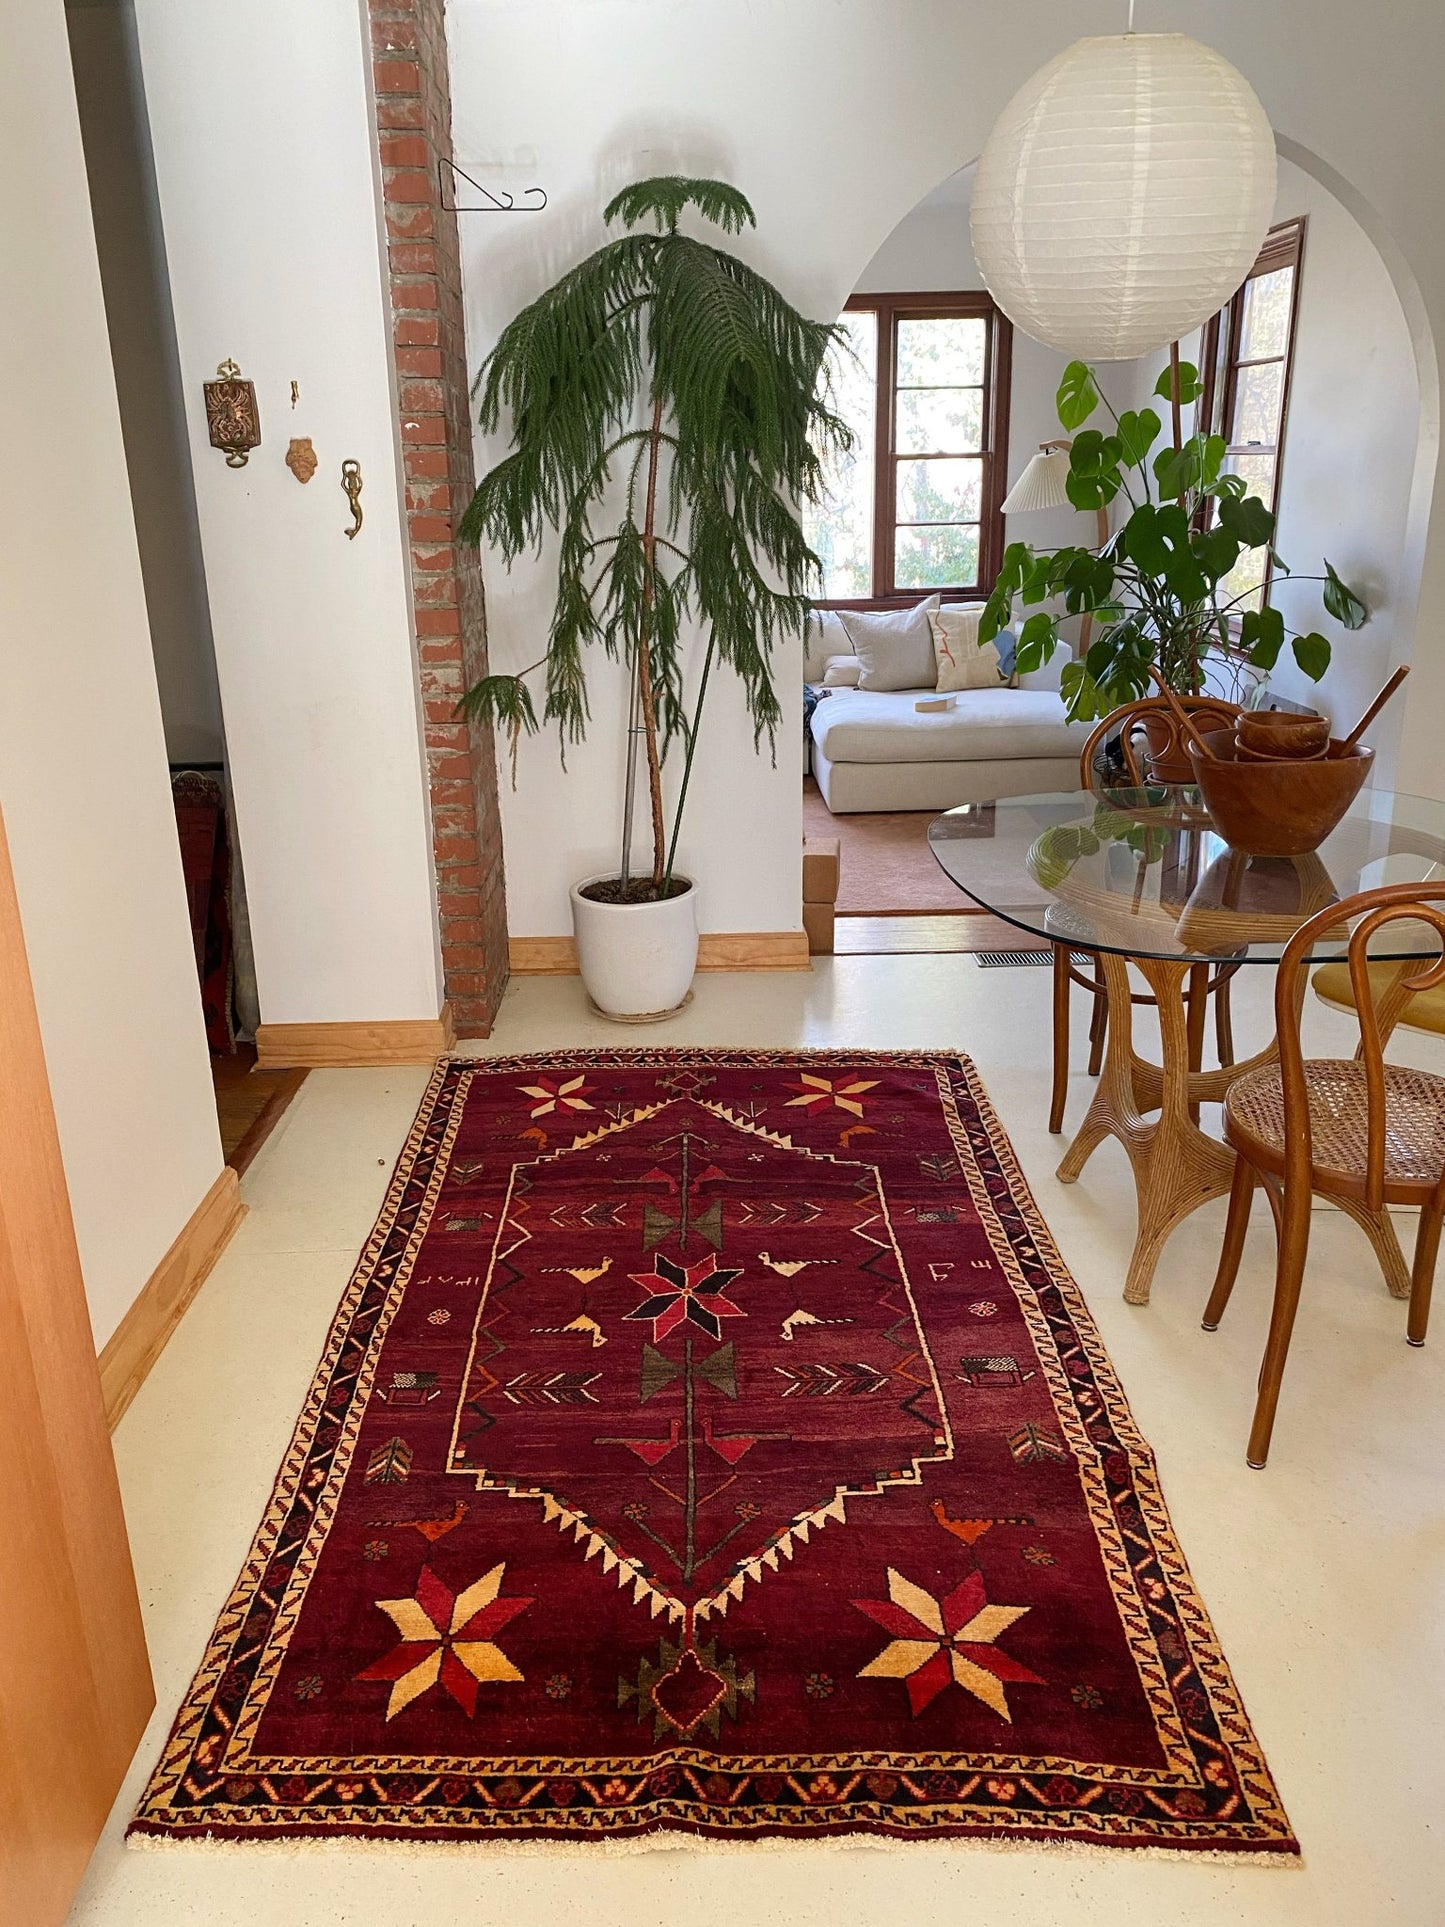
(148, 1825)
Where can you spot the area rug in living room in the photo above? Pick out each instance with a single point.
(713, 1441)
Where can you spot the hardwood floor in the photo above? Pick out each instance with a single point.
(249, 1103)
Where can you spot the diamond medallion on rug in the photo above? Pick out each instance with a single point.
(714, 1441)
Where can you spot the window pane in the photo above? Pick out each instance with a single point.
(1258, 472)
(940, 558)
(1257, 396)
(1264, 327)
(941, 354)
(840, 528)
(1246, 578)
(939, 420)
(946, 491)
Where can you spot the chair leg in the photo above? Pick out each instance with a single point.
(1099, 1024)
(1241, 1197)
(1422, 1275)
(1224, 1024)
(1061, 1037)
(1294, 1241)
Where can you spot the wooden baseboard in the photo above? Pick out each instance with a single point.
(143, 1333)
(716, 950)
(417, 1040)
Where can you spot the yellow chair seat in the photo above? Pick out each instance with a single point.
(1424, 1012)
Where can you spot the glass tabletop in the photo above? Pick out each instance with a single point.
(1143, 872)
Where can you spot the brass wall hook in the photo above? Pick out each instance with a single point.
(351, 482)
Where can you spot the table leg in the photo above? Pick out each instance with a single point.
(1176, 1166)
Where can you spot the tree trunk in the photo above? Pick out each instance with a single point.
(644, 653)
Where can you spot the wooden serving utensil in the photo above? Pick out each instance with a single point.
(1181, 716)
(1348, 742)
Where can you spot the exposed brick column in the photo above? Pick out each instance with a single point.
(413, 117)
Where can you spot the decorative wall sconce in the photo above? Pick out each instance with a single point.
(301, 458)
(351, 482)
(232, 417)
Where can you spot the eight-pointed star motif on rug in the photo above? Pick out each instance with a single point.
(845, 1093)
(939, 1641)
(553, 1094)
(446, 1638)
(675, 1296)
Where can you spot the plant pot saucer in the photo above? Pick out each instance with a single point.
(639, 1017)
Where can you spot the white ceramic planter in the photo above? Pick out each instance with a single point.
(637, 959)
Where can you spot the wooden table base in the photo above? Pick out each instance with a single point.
(1152, 1109)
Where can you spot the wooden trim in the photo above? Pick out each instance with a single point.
(412, 1040)
(75, 1683)
(997, 381)
(143, 1334)
(716, 950)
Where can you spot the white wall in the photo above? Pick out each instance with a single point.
(266, 169)
(108, 86)
(837, 120)
(1349, 458)
(83, 780)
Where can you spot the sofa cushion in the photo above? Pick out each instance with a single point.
(841, 672)
(823, 636)
(895, 646)
(984, 725)
(963, 662)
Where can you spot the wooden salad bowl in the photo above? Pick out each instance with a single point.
(1282, 808)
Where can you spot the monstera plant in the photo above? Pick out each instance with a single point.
(666, 423)
(1159, 589)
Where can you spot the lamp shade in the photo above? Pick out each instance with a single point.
(1041, 486)
(1123, 194)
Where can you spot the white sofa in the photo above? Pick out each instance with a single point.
(874, 750)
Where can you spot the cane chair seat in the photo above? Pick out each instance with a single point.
(1339, 1122)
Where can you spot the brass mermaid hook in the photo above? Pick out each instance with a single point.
(351, 482)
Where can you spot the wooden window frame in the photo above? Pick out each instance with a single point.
(968, 304)
(1284, 247)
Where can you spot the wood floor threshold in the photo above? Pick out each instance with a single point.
(144, 1332)
(269, 1116)
(924, 935)
(716, 950)
(413, 1040)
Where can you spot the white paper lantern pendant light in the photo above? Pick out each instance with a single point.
(1123, 194)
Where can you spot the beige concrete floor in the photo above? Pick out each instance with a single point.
(1325, 1574)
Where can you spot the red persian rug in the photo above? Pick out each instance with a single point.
(713, 1440)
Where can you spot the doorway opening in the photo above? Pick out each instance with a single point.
(135, 283)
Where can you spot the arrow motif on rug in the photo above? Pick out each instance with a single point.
(822, 1381)
(551, 1388)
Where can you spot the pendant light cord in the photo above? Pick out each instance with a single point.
(1130, 27)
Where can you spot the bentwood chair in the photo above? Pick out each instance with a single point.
(1130, 721)
(1355, 1128)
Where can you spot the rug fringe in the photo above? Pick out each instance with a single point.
(676, 1841)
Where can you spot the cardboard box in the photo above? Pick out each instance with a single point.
(821, 857)
(818, 922)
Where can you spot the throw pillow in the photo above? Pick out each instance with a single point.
(964, 662)
(841, 672)
(895, 646)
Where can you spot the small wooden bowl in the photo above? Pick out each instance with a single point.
(1275, 732)
(1281, 808)
(1246, 754)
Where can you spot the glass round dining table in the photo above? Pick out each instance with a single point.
(1142, 877)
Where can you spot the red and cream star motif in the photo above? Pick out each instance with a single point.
(446, 1639)
(942, 1642)
(675, 1297)
(845, 1093)
(547, 1095)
